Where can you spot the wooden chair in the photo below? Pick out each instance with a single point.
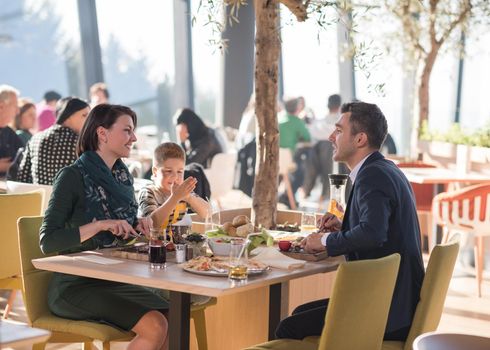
(450, 341)
(466, 210)
(22, 187)
(13, 207)
(432, 295)
(358, 309)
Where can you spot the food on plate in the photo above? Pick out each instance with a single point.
(287, 227)
(204, 263)
(260, 238)
(240, 220)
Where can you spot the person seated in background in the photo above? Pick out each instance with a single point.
(46, 115)
(93, 206)
(166, 200)
(25, 120)
(98, 94)
(51, 150)
(199, 141)
(380, 220)
(319, 161)
(10, 143)
(293, 133)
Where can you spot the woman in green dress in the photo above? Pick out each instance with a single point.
(93, 206)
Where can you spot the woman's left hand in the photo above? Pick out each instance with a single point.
(144, 225)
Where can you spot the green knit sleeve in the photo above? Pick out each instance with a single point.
(58, 232)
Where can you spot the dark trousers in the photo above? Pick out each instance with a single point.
(308, 320)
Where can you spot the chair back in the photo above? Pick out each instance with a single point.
(450, 341)
(221, 174)
(423, 192)
(21, 187)
(35, 282)
(434, 288)
(13, 206)
(286, 162)
(467, 209)
(358, 309)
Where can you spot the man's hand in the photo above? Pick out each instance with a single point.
(329, 223)
(313, 243)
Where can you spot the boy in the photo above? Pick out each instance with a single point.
(167, 199)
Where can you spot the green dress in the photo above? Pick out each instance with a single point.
(80, 298)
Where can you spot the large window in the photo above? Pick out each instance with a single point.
(309, 56)
(138, 54)
(39, 46)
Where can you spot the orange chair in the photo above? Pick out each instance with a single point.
(423, 199)
(466, 210)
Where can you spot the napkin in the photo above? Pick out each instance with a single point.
(98, 260)
(272, 257)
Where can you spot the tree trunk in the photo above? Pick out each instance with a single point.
(424, 85)
(267, 47)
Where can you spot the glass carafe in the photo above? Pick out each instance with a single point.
(336, 205)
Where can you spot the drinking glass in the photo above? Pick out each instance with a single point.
(213, 219)
(157, 251)
(180, 251)
(308, 222)
(238, 268)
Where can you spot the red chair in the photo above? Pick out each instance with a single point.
(466, 210)
(423, 199)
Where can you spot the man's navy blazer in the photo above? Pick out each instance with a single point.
(381, 219)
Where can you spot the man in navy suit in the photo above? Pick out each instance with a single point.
(380, 219)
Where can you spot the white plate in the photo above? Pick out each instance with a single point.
(251, 272)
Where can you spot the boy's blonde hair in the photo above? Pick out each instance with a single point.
(167, 150)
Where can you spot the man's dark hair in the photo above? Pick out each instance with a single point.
(51, 96)
(334, 101)
(291, 105)
(367, 118)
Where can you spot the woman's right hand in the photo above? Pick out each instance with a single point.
(119, 228)
(183, 190)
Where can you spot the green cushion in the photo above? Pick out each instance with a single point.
(285, 344)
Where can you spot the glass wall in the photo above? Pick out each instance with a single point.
(137, 47)
(309, 55)
(40, 47)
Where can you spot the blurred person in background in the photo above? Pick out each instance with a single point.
(51, 150)
(25, 120)
(305, 113)
(200, 142)
(98, 94)
(46, 110)
(294, 134)
(319, 162)
(9, 141)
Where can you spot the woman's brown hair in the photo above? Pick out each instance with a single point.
(104, 115)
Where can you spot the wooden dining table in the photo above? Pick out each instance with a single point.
(182, 284)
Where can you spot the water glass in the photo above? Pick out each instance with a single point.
(308, 222)
(180, 251)
(157, 251)
(238, 269)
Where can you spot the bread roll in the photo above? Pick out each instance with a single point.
(244, 230)
(229, 229)
(240, 220)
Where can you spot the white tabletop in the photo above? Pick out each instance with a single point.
(442, 176)
(174, 277)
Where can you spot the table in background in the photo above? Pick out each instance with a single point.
(181, 284)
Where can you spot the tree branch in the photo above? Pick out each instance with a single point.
(297, 8)
(463, 15)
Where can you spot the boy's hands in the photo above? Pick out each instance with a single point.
(182, 191)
